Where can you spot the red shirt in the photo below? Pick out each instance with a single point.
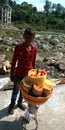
(25, 60)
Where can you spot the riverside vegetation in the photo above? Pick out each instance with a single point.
(51, 18)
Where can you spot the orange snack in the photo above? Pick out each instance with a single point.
(37, 89)
(37, 76)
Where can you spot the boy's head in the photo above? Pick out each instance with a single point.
(28, 35)
(29, 31)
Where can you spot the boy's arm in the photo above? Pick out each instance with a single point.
(13, 64)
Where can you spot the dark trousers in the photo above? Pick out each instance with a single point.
(15, 91)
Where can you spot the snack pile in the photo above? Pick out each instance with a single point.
(35, 87)
(37, 76)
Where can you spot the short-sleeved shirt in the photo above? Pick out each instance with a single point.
(25, 60)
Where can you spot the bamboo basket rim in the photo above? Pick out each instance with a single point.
(35, 103)
(34, 100)
(36, 77)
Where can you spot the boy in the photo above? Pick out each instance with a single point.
(25, 56)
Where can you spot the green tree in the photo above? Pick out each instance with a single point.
(53, 8)
(47, 7)
(58, 10)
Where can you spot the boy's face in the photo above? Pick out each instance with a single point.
(28, 38)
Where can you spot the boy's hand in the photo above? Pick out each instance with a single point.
(12, 78)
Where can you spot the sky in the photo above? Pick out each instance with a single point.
(40, 3)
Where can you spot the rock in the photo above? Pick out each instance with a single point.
(7, 64)
(62, 66)
(2, 57)
(62, 81)
(5, 68)
(54, 41)
(2, 71)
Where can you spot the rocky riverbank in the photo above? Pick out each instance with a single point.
(50, 55)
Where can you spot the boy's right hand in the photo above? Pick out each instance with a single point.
(12, 78)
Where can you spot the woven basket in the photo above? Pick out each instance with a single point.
(37, 80)
(34, 100)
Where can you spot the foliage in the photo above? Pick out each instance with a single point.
(8, 54)
(24, 14)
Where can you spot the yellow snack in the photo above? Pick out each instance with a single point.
(48, 84)
(26, 84)
(48, 87)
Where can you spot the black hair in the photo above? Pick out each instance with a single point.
(29, 31)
